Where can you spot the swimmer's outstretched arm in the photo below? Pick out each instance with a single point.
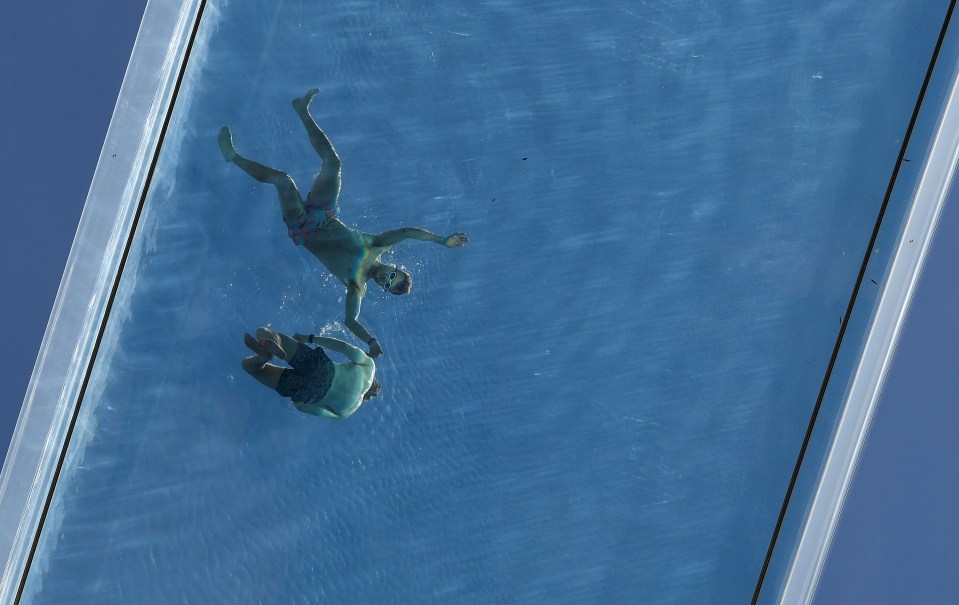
(352, 353)
(354, 299)
(395, 236)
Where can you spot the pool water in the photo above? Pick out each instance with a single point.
(600, 399)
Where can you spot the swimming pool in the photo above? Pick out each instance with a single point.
(601, 398)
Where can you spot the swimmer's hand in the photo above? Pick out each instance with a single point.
(457, 240)
(375, 349)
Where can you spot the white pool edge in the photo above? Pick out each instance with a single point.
(87, 282)
(905, 269)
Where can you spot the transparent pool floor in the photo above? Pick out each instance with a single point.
(601, 398)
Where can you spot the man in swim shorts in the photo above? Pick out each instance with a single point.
(351, 255)
(313, 382)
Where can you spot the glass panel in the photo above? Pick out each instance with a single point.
(600, 398)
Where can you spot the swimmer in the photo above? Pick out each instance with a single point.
(314, 383)
(349, 254)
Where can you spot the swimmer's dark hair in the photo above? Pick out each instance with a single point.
(373, 391)
(405, 287)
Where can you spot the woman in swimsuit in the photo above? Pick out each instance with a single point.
(350, 254)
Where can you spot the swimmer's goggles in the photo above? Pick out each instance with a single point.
(389, 282)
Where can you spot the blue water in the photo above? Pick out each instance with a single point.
(599, 400)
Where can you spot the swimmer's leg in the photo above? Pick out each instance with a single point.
(257, 366)
(289, 195)
(276, 343)
(327, 182)
(266, 373)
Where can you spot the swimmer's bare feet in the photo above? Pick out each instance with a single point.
(225, 141)
(257, 348)
(253, 364)
(301, 104)
(272, 347)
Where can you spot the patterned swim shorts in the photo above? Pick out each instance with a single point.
(311, 376)
(314, 217)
